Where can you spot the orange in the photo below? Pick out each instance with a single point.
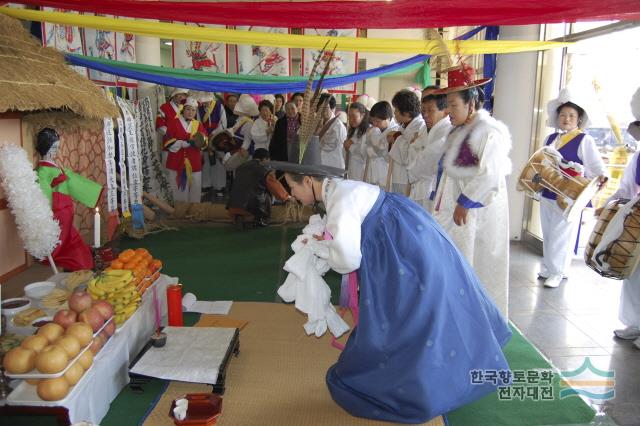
(117, 264)
(142, 251)
(156, 264)
(131, 265)
(126, 255)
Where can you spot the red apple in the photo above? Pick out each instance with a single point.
(109, 329)
(105, 308)
(80, 301)
(92, 317)
(65, 317)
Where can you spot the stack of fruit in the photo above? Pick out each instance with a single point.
(58, 355)
(141, 263)
(118, 287)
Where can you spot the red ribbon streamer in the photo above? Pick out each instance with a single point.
(361, 14)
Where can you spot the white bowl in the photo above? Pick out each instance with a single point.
(37, 320)
(39, 290)
(13, 311)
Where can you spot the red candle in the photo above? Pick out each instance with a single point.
(174, 305)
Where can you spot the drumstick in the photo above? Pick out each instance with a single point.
(389, 173)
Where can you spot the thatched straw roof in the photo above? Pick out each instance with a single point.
(35, 78)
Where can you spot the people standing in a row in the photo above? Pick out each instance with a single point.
(356, 138)
(407, 113)
(425, 153)
(331, 133)
(377, 147)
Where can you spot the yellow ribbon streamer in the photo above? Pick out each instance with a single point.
(220, 35)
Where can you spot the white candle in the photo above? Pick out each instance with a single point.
(96, 228)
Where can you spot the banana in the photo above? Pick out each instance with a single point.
(94, 289)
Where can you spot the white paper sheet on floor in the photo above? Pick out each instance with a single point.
(190, 303)
(305, 284)
(192, 354)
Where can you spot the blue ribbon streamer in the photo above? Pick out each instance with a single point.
(255, 88)
(489, 68)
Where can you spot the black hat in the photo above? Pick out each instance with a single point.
(307, 169)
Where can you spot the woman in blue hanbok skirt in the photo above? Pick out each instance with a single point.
(425, 320)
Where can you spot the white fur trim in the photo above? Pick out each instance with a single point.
(635, 104)
(478, 131)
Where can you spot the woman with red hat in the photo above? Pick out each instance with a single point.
(472, 203)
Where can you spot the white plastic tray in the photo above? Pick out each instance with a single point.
(34, 374)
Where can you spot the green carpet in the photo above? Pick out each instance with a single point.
(492, 411)
(218, 262)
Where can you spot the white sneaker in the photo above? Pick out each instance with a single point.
(636, 343)
(544, 275)
(553, 281)
(629, 333)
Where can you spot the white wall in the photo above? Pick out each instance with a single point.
(379, 88)
(514, 105)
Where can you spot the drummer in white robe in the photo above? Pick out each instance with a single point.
(377, 147)
(356, 137)
(406, 110)
(425, 154)
(558, 235)
(629, 312)
(471, 203)
(332, 134)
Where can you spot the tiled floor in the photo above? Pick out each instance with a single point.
(576, 321)
(567, 324)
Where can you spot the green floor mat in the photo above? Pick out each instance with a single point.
(490, 410)
(222, 263)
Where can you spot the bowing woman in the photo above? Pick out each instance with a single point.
(559, 235)
(472, 204)
(425, 321)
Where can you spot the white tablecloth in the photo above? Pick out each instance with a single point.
(90, 399)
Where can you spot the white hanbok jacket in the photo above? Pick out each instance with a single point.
(399, 152)
(424, 155)
(259, 134)
(481, 187)
(355, 168)
(331, 145)
(377, 154)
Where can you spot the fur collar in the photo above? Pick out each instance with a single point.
(476, 135)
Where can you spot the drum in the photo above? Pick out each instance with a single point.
(613, 250)
(547, 170)
(529, 179)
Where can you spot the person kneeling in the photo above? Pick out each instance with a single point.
(253, 188)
